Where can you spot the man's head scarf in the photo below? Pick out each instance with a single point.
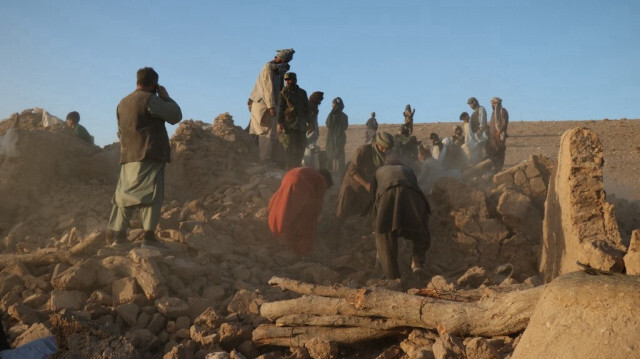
(472, 101)
(385, 140)
(339, 105)
(316, 97)
(285, 54)
(280, 69)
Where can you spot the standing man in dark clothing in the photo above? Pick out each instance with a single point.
(337, 124)
(496, 147)
(408, 118)
(144, 150)
(372, 128)
(315, 99)
(400, 210)
(293, 120)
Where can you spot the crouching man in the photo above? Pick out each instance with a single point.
(295, 207)
(400, 209)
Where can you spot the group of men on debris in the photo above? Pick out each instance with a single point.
(284, 116)
(475, 144)
(376, 181)
(285, 120)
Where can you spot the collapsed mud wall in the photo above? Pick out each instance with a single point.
(498, 225)
(207, 157)
(49, 162)
(579, 224)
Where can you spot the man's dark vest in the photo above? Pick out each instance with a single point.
(142, 135)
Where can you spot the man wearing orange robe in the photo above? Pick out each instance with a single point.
(295, 207)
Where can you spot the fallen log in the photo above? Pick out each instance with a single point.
(493, 315)
(333, 291)
(338, 321)
(41, 257)
(298, 336)
(94, 240)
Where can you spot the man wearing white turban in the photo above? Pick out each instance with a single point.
(263, 102)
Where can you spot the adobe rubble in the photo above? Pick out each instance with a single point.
(221, 255)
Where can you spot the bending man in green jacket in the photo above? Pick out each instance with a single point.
(72, 122)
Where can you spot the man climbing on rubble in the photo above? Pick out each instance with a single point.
(144, 150)
(293, 120)
(400, 210)
(295, 207)
(263, 102)
(73, 119)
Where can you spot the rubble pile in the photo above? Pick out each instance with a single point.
(201, 297)
(32, 119)
(499, 225)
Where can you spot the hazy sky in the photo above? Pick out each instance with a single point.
(547, 60)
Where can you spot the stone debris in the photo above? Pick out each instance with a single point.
(201, 297)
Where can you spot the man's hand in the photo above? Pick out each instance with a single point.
(367, 186)
(279, 128)
(162, 92)
(272, 112)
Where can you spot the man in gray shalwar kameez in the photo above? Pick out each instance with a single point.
(144, 150)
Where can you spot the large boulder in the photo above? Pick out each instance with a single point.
(579, 224)
(584, 316)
